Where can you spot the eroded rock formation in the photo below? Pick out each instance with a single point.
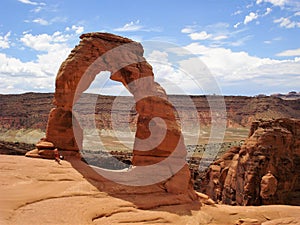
(123, 58)
(264, 170)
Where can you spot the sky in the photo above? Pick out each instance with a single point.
(248, 47)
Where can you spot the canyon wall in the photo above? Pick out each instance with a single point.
(30, 110)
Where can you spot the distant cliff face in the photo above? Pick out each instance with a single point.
(26, 111)
(264, 170)
(31, 110)
(293, 95)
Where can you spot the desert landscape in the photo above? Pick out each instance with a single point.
(39, 191)
(160, 175)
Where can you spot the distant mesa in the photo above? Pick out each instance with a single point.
(25, 113)
(292, 95)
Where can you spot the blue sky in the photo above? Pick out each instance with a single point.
(249, 47)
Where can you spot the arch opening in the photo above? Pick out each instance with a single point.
(107, 122)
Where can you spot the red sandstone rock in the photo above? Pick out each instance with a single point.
(45, 145)
(264, 171)
(268, 187)
(123, 57)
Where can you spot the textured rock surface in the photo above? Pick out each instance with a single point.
(265, 170)
(122, 57)
(59, 194)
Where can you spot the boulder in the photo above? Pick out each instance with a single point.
(265, 170)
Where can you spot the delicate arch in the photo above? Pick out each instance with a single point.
(123, 57)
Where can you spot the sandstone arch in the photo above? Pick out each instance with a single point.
(123, 57)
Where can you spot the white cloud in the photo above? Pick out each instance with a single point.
(45, 42)
(235, 72)
(4, 40)
(297, 14)
(28, 2)
(268, 11)
(287, 23)
(17, 76)
(132, 26)
(31, 2)
(220, 37)
(273, 40)
(78, 29)
(274, 2)
(44, 22)
(187, 30)
(232, 66)
(252, 16)
(238, 12)
(236, 25)
(203, 35)
(158, 56)
(214, 32)
(292, 52)
(178, 80)
(41, 21)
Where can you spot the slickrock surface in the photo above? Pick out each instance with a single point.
(34, 191)
(264, 170)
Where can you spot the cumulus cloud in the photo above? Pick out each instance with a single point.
(4, 40)
(179, 78)
(252, 16)
(236, 72)
(232, 66)
(17, 76)
(291, 52)
(45, 42)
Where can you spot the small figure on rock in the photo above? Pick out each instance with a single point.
(57, 156)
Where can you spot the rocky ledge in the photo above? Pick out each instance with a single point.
(61, 194)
